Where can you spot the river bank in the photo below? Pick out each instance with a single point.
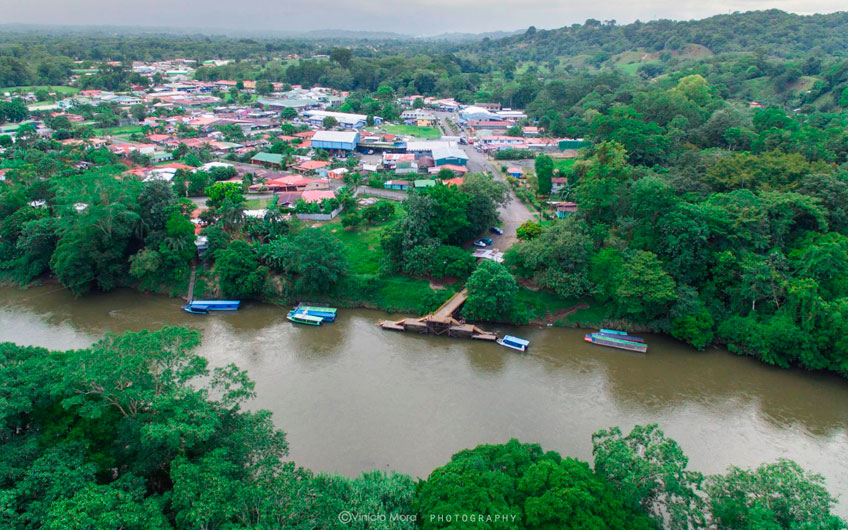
(353, 397)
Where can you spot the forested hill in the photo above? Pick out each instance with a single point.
(774, 32)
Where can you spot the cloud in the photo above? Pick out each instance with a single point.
(408, 16)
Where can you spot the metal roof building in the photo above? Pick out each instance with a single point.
(335, 140)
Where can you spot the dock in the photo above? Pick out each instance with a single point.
(441, 322)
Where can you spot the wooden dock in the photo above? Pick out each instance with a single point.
(441, 322)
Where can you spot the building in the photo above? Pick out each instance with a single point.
(558, 183)
(401, 185)
(424, 183)
(515, 172)
(452, 155)
(344, 119)
(335, 140)
(279, 104)
(310, 166)
(268, 160)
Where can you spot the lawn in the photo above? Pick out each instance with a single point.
(256, 204)
(363, 245)
(564, 164)
(123, 130)
(426, 133)
(61, 90)
(363, 285)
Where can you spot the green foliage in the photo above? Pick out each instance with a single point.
(491, 293)
(313, 260)
(239, 273)
(528, 230)
(780, 495)
(527, 488)
(221, 191)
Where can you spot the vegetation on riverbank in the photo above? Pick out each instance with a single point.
(150, 437)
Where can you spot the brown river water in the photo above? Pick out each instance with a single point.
(352, 397)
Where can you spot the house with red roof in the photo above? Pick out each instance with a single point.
(317, 195)
(310, 166)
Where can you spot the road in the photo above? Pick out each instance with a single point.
(513, 213)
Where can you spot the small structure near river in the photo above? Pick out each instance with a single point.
(441, 322)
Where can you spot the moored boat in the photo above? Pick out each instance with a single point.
(514, 342)
(631, 338)
(202, 307)
(619, 343)
(328, 314)
(303, 318)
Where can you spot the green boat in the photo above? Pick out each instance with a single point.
(303, 318)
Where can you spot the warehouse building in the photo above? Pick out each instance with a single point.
(335, 140)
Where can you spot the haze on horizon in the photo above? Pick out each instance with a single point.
(414, 17)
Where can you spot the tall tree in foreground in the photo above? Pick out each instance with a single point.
(491, 293)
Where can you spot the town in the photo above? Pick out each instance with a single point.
(424, 271)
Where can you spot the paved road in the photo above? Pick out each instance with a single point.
(515, 212)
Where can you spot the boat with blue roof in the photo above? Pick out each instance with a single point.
(203, 307)
(515, 343)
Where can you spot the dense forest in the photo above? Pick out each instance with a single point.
(138, 432)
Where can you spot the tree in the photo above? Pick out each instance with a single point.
(491, 293)
(330, 122)
(528, 230)
(239, 273)
(288, 113)
(138, 112)
(644, 288)
(313, 260)
(342, 56)
(528, 488)
(221, 191)
(775, 496)
(558, 258)
(544, 166)
(649, 471)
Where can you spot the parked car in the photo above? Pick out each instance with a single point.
(486, 240)
(496, 230)
(479, 243)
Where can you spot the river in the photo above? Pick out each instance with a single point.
(352, 397)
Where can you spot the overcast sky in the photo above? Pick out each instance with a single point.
(418, 17)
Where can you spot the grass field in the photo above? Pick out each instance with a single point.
(364, 285)
(62, 90)
(426, 133)
(123, 130)
(564, 164)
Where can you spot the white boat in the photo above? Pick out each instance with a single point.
(514, 342)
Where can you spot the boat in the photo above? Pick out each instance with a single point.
(514, 342)
(203, 307)
(631, 338)
(613, 331)
(326, 313)
(302, 318)
(620, 343)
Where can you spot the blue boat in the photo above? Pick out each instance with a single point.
(302, 318)
(514, 342)
(328, 314)
(613, 331)
(202, 307)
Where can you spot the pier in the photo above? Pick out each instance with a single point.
(441, 322)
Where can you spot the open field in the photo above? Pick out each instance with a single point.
(425, 133)
(61, 90)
